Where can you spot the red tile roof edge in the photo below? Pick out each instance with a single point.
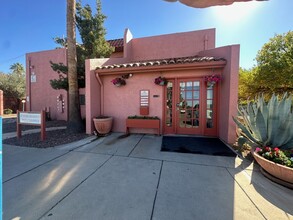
(117, 43)
(158, 62)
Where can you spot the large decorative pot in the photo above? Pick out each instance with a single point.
(277, 170)
(103, 124)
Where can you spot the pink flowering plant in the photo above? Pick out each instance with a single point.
(213, 78)
(118, 81)
(283, 157)
(161, 81)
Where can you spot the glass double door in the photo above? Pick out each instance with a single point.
(190, 107)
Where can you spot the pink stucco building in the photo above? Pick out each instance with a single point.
(39, 93)
(185, 105)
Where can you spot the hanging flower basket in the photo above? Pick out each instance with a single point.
(161, 81)
(212, 79)
(118, 82)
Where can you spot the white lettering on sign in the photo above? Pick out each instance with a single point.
(30, 118)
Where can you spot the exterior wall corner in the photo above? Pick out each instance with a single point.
(228, 91)
(93, 92)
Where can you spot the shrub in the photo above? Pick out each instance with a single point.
(7, 111)
(267, 124)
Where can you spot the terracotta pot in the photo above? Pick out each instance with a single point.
(281, 172)
(103, 125)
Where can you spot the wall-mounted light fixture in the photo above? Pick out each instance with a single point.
(126, 76)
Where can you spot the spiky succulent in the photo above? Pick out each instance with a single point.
(267, 124)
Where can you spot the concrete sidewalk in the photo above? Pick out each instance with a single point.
(130, 178)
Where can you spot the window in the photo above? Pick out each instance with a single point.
(82, 99)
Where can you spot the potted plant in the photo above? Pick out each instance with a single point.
(161, 81)
(152, 122)
(118, 82)
(269, 127)
(103, 124)
(278, 163)
(212, 79)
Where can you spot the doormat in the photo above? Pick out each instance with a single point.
(196, 145)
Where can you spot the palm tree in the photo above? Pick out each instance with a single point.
(17, 68)
(74, 123)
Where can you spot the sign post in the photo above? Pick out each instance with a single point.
(31, 118)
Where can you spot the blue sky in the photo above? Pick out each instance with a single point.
(29, 26)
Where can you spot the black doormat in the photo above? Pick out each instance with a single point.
(196, 145)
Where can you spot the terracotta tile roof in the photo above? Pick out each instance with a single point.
(169, 61)
(117, 43)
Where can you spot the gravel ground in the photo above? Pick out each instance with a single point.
(53, 138)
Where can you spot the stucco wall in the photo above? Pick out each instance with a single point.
(121, 102)
(40, 93)
(172, 45)
(117, 55)
(229, 90)
(93, 92)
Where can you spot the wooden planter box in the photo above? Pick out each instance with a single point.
(143, 123)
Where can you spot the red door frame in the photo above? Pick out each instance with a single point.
(169, 129)
(202, 129)
(214, 130)
(191, 130)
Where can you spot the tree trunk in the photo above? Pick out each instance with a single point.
(74, 122)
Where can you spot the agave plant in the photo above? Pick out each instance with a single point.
(267, 124)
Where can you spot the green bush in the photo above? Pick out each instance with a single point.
(7, 111)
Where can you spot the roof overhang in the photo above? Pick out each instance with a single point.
(175, 64)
